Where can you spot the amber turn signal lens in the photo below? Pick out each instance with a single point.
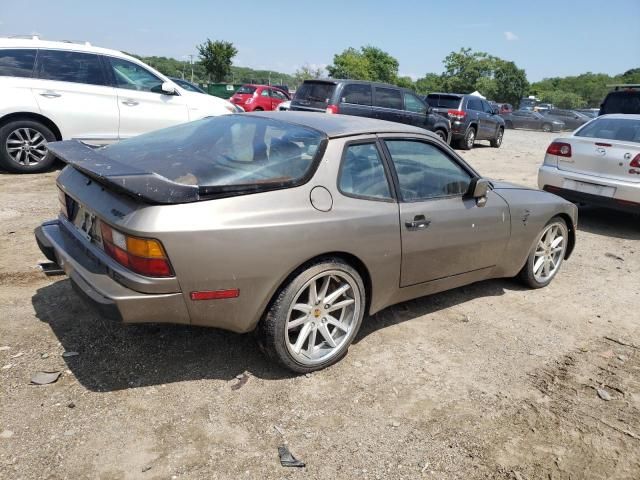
(143, 247)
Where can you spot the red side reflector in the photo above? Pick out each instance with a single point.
(215, 294)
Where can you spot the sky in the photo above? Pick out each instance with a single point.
(546, 38)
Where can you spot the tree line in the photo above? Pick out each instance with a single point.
(465, 71)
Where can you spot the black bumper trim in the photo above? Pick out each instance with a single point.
(595, 200)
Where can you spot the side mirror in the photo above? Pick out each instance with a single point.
(478, 189)
(168, 88)
(429, 109)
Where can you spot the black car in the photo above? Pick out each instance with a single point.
(532, 120)
(624, 99)
(369, 99)
(472, 118)
(571, 118)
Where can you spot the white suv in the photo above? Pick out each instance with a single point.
(59, 90)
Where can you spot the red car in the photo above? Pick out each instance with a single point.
(259, 97)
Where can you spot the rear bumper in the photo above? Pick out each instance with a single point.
(626, 197)
(92, 280)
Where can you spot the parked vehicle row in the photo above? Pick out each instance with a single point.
(258, 98)
(371, 100)
(387, 211)
(59, 90)
(532, 120)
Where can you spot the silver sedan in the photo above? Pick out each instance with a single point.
(598, 164)
(297, 225)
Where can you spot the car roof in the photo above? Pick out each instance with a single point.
(451, 94)
(336, 81)
(342, 125)
(625, 116)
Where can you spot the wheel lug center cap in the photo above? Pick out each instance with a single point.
(317, 312)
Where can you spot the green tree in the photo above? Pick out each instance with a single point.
(405, 82)
(510, 82)
(351, 63)
(306, 72)
(382, 66)
(464, 68)
(216, 57)
(368, 63)
(562, 99)
(430, 83)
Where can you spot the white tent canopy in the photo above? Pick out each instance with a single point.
(478, 94)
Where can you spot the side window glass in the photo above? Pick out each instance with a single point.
(265, 92)
(278, 94)
(424, 171)
(132, 76)
(358, 94)
(388, 98)
(413, 103)
(73, 67)
(487, 107)
(474, 104)
(17, 62)
(362, 173)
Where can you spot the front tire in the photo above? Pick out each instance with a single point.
(547, 254)
(23, 146)
(546, 127)
(315, 317)
(442, 134)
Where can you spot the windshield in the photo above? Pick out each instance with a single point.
(228, 152)
(246, 89)
(316, 92)
(443, 101)
(626, 101)
(622, 129)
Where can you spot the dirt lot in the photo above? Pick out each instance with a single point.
(486, 381)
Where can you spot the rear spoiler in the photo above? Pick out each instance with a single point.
(146, 186)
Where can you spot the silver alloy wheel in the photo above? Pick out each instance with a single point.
(546, 127)
(549, 252)
(499, 137)
(26, 146)
(322, 317)
(471, 138)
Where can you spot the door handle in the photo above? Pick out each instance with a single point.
(419, 222)
(50, 94)
(130, 103)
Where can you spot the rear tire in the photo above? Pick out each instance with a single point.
(442, 134)
(545, 258)
(23, 146)
(258, 109)
(546, 127)
(297, 324)
(497, 141)
(469, 139)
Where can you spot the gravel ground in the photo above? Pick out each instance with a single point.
(486, 381)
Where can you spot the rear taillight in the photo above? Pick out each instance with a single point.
(62, 200)
(559, 148)
(332, 109)
(635, 163)
(456, 114)
(142, 255)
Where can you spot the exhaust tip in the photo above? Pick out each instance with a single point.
(51, 269)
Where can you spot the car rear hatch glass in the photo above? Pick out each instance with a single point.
(220, 156)
(605, 148)
(313, 95)
(624, 101)
(443, 103)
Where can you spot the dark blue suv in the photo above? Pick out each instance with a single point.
(472, 118)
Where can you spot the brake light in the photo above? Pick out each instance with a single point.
(559, 148)
(62, 200)
(635, 163)
(141, 255)
(457, 114)
(332, 109)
